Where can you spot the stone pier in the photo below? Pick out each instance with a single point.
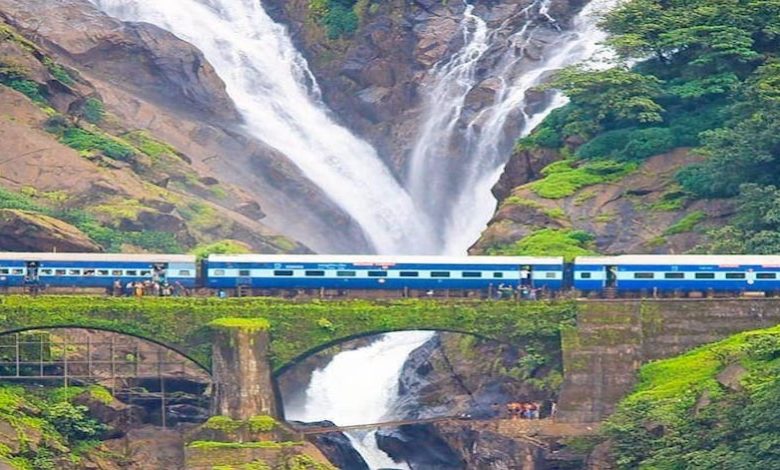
(243, 386)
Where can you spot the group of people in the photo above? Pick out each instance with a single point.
(154, 287)
(523, 410)
(522, 292)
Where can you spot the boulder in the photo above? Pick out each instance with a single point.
(29, 231)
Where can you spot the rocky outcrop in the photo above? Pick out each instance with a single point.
(455, 374)
(421, 446)
(335, 446)
(634, 214)
(27, 231)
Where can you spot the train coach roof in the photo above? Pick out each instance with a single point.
(100, 257)
(385, 260)
(656, 260)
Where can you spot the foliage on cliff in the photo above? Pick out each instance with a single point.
(714, 407)
(704, 76)
(43, 430)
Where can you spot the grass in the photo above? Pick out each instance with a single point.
(248, 325)
(563, 178)
(549, 242)
(86, 141)
(686, 224)
(243, 445)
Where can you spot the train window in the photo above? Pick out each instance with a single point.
(145, 273)
(74, 272)
(674, 275)
(46, 272)
(409, 274)
(18, 272)
(116, 272)
(549, 275)
(735, 275)
(283, 272)
(5, 271)
(644, 275)
(89, 272)
(184, 272)
(440, 274)
(102, 272)
(705, 276)
(59, 272)
(472, 274)
(585, 275)
(132, 272)
(377, 274)
(315, 273)
(219, 272)
(498, 275)
(243, 272)
(346, 273)
(766, 276)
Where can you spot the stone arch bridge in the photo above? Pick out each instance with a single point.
(243, 341)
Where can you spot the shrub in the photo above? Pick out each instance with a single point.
(686, 224)
(93, 110)
(549, 242)
(562, 179)
(28, 88)
(83, 140)
(73, 421)
(340, 21)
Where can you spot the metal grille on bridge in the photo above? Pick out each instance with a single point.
(113, 360)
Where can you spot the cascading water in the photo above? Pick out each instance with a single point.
(459, 154)
(272, 87)
(359, 387)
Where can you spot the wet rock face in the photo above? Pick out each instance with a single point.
(487, 450)
(455, 374)
(376, 81)
(336, 447)
(422, 446)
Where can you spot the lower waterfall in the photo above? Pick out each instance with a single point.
(359, 387)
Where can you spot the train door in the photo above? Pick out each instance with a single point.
(611, 276)
(160, 273)
(32, 276)
(526, 277)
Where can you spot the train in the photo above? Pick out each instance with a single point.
(680, 275)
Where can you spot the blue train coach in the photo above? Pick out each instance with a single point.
(685, 273)
(381, 272)
(93, 269)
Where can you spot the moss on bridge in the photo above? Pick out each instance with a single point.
(297, 328)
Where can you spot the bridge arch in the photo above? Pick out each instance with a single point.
(204, 368)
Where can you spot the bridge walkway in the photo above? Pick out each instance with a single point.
(532, 431)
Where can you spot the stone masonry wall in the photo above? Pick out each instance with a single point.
(614, 338)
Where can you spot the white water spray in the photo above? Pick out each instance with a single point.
(272, 87)
(359, 387)
(459, 155)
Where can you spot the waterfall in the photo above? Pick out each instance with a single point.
(359, 387)
(459, 154)
(278, 98)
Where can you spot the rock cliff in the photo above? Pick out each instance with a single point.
(76, 81)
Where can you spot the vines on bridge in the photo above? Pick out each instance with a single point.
(296, 327)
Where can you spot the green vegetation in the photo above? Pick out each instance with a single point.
(682, 416)
(705, 76)
(549, 242)
(295, 328)
(686, 224)
(248, 325)
(222, 247)
(340, 18)
(87, 141)
(242, 445)
(93, 110)
(47, 428)
(149, 145)
(112, 239)
(564, 178)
